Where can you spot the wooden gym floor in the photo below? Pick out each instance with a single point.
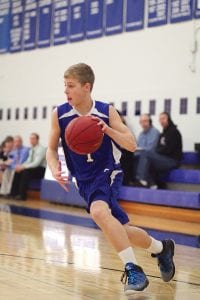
(46, 260)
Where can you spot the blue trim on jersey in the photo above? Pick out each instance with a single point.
(104, 158)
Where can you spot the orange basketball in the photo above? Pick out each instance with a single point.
(83, 135)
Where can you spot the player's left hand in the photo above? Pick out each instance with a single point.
(101, 123)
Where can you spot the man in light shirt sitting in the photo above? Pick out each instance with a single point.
(149, 136)
(147, 140)
(33, 167)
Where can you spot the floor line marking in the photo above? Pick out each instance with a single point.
(103, 268)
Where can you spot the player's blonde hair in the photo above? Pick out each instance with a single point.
(82, 72)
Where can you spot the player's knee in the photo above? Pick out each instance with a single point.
(127, 228)
(99, 213)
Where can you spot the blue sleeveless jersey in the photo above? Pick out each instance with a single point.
(105, 159)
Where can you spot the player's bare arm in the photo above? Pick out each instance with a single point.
(52, 152)
(118, 132)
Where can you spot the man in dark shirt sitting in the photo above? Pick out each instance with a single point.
(165, 157)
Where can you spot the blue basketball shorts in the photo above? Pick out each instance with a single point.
(105, 187)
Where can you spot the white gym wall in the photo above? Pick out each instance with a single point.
(153, 63)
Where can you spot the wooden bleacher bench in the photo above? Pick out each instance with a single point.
(34, 189)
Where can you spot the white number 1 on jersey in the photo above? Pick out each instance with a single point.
(89, 158)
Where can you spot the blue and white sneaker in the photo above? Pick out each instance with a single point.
(137, 280)
(165, 260)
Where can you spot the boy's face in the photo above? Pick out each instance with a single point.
(75, 91)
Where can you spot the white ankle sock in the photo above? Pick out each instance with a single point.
(143, 182)
(127, 255)
(155, 247)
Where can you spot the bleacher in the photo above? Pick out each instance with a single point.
(187, 177)
(185, 194)
(34, 188)
(182, 193)
(191, 159)
(184, 178)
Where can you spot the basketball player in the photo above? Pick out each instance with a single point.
(99, 177)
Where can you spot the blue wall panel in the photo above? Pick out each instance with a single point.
(157, 12)
(4, 25)
(94, 18)
(44, 23)
(60, 21)
(77, 20)
(114, 16)
(181, 10)
(30, 24)
(16, 25)
(134, 15)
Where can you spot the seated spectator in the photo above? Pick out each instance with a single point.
(6, 148)
(149, 136)
(33, 167)
(165, 157)
(2, 159)
(17, 156)
(5, 155)
(147, 140)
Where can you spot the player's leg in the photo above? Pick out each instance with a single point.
(116, 234)
(162, 250)
(110, 226)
